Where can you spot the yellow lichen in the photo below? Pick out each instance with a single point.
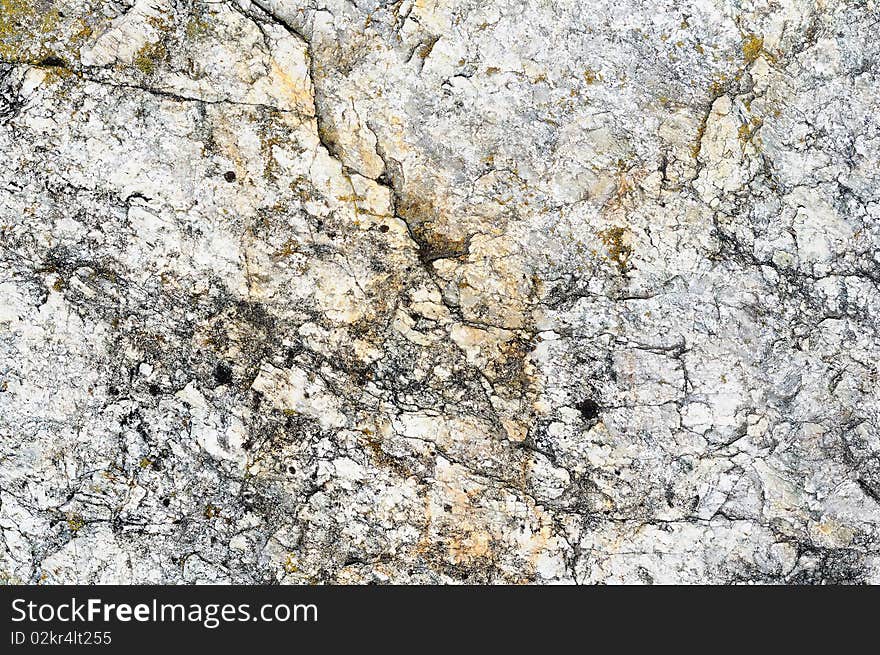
(153, 53)
(85, 32)
(26, 30)
(148, 58)
(619, 251)
(752, 48)
(197, 27)
(351, 198)
(716, 88)
(290, 564)
(75, 522)
(747, 131)
(591, 76)
(289, 248)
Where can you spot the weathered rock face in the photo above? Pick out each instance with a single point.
(439, 291)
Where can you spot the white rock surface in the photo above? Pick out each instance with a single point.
(435, 291)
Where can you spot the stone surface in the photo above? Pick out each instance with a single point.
(439, 291)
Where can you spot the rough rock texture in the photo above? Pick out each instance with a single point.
(433, 291)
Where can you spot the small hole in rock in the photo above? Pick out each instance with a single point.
(229, 176)
(52, 61)
(222, 374)
(588, 409)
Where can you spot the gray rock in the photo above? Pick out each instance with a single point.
(439, 291)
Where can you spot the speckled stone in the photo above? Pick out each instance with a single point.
(439, 291)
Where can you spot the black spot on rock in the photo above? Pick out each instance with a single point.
(222, 373)
(229, 176)
(588, 409)
(53, 62)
